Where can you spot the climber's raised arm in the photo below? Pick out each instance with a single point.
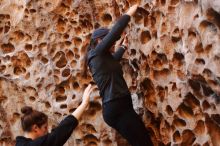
(114, 34)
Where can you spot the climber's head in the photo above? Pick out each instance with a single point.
(98, 35)
(34, 122)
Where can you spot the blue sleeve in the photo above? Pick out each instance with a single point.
(109, 40)
(119, 53)
(59, 135)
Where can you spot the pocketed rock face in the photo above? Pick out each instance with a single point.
(171, 67)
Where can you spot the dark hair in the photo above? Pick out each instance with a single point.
(91, 45)
(32, 117)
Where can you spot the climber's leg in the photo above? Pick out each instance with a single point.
(120, 115)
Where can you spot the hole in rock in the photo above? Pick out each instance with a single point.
(106, 18)
(214, 16)
(177, 136)
(93, 108)
(86, 24)
(140, 14)
(62, 61)
(164, 73)
(163, 2)
(169, 110)
(28, 47)
(75, 85)
(47, 104)
(7, 48)
(185, 111)
(63, 106)
(188, 137)
(174, 2)
(32, 98)
(207, 26)
(19, 70)
(216, 118)
(145, 37)
(195, 85)
(66, 72)
(69, 55)
(200, 128)
(200, 61)
(191, 100)
(161, 93)
(32, 11)
(178, 59)
(77, 41)
(90, 138)
(207, 90)
(61, 98)
(177, 122)
(44, 60)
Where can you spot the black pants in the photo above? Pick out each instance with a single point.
(120, 115)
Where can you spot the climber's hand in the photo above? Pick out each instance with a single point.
(132, 10)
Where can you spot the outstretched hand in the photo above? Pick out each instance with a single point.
(132, 10)
(85, 101)
(86, 94)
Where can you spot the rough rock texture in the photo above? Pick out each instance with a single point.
(172, 67)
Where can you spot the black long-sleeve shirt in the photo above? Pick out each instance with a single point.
(105, 67)
(57, 137)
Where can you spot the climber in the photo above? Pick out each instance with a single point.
(34, 124)
(107, 73)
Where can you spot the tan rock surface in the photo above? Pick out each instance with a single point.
(172, 67)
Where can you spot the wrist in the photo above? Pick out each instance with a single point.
(84, 105)
(124, 47)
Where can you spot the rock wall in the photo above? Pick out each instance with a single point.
(172, 67)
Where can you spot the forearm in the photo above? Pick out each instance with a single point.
(111, 37)
(120, 25)
(119, 53)
(79, 111)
